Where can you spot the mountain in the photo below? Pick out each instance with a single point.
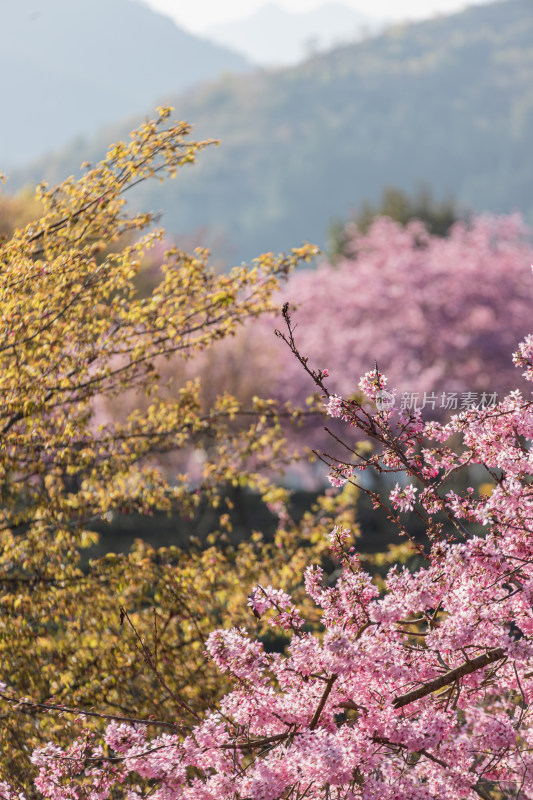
(448, 102)
(67, 67)
(273, 36)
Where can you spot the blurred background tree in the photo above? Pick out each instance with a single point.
(438, 217)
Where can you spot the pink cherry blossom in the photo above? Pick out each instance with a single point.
(403, 498)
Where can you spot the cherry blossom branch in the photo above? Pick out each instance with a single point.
(373, 426)
(322, 703)
(254, 743)
(30, 704)
(497, 654)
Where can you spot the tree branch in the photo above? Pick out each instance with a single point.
(450, 677)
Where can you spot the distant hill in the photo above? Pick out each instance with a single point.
(67, 67)
(273, 36)
(448, 102)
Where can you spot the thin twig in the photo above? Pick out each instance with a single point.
(69, 710)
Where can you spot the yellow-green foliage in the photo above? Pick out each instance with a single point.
(62, 641)
(74, 332)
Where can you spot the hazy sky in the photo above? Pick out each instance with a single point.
(196, 15)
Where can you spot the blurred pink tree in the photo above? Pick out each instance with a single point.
(438, 314)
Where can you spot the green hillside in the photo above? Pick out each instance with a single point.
(447, 102)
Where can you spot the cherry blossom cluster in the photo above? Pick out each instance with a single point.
(340, 476)
(338, 541)
(403, 498)
(372, 382)
(262, 599)
(524, 356)
(334, 406)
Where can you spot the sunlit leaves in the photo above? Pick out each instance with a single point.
(75, 333)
